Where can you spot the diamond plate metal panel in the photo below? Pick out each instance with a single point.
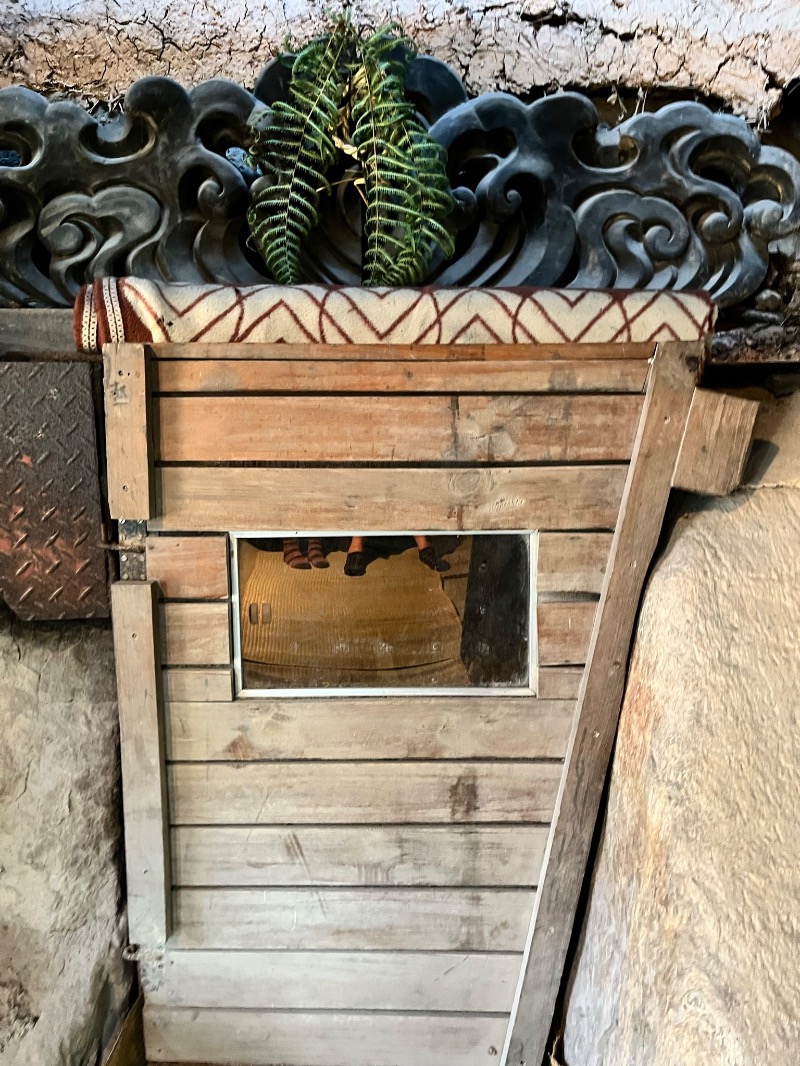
(52, 561)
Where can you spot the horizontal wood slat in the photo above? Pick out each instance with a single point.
(353, 919)
(211, 684)
(212, 1037)
(386, 792)
(195, 634)
(386, 498)
(559, 682)
(445, 728)
(564, 631)
(357, 855)
(406, 352)
(339, 980)
(572, 562)
(189, 568)
(392, 429)
(517, 375)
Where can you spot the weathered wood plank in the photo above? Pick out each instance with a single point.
(243, 856)
(339, 980)
(36, 329)
(406, 352)
(641, 515)
(444, 728)
(189, 568)
(383, 793)
(716, 443)
(129, 451)
(127, 1045)
(188, 685)
(386, 498)
(572, 562)
(394, 429)
(462, 376)
(559, 682)
(564, 630)
(195, 634)
(352, 919)
(295, 1038)
(136, 642)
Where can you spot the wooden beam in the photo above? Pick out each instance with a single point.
(198, 685)
(340, 980)
(716, 443)
(189, 568)
(129, 450)
(382, 793)
(493, 727)
(376, 918)
(559, 682)
(195, 634)
(406, 352)
(644, 502)
(398, 429)
(144, 791)
(385, 498)
(429, 375)
(319, 1038)
(563, 631)
(36, 330)
(572, 562)
(422, 856)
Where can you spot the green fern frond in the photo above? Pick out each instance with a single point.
(407, 193)
(347, 96)
(294, 150)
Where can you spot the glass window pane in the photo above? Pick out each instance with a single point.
(430, 611)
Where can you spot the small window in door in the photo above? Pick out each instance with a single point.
(384, 613)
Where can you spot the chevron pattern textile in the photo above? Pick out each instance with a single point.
(132, 309)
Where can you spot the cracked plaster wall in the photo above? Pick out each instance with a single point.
(743, 52)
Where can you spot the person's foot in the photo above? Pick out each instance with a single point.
(428, 556)
(292, 555)
(355, 565)
(315, 554)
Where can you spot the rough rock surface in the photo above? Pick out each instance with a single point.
(63, 984)
(689, 952)
(742, 51)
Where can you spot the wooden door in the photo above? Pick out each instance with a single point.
(365, 880)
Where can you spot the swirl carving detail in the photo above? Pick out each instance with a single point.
(680, 198)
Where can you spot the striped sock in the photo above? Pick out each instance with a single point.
(315, 554)
(292, 555)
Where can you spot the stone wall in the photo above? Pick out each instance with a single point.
(63, 985)
(743, 52)
(689, 952)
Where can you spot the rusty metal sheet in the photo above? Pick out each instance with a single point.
(52, 561)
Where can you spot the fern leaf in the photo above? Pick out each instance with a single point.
(407, 193)
(294, 149)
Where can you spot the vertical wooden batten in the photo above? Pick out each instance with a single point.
(644, 501)
(144, 785)
(129, 444)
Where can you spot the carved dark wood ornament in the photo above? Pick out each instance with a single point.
(681, 198)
